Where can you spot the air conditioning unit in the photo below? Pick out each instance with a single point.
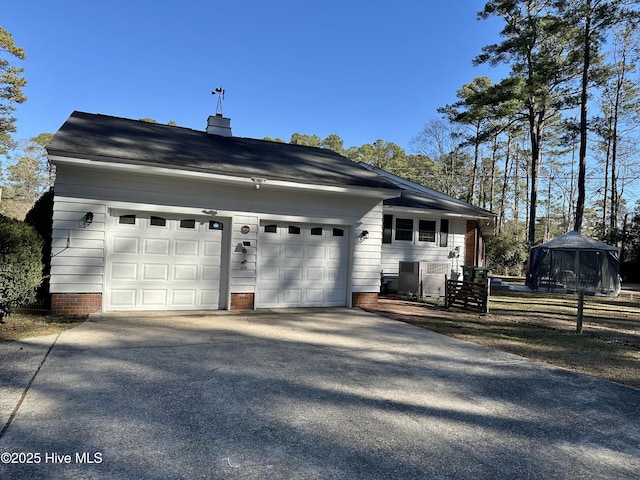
(422, 279)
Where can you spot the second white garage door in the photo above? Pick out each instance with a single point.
(302, 265)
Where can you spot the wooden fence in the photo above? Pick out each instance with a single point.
(467, 295)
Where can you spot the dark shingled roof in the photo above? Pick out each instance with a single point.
(120, 140)
(421, 197)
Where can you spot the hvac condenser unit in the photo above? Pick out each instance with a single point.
(422, 279)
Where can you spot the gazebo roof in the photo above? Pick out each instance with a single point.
(575, 241)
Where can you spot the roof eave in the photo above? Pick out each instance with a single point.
(252, 181)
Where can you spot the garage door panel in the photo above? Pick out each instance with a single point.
(124, 271)
(334, 297)
(267, 297)
(212, 249)
(209, 298)
(314, 296)
(291, 273)
(269, 273)
(153, 297)
(315, 252)
(156, 246)
(292, 296)
(270, 251)
(155, 272)
(123, 298)
(211, 274)
(185, 272)
(183, 298)
(293, 252)
(157, 268)
(126, 245)
(335, 275)
(315, 273)
(335, 253)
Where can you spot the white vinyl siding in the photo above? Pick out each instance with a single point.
(80, 267)
(77, 248)
(425, 251)
(365, 274)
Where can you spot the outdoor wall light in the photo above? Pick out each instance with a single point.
(257, 181)
(364, 235)
(88, 218)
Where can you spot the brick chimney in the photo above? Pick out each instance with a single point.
(219, 125)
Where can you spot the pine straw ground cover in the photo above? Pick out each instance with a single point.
(22, 325)
(542, 326)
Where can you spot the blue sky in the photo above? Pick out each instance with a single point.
(363, 70)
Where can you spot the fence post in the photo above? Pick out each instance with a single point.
(487, 293)
(446, 292)
(580, 311)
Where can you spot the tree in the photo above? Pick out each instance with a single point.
(620, 110)
(303, 139)
(594, 20)
(11, 85)
(535, 45)
(333, 142)
(439, 142)
(471, 110)
(29, 177)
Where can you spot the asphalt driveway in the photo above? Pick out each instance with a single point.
(301, 394)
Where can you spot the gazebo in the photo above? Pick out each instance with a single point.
(573, 262)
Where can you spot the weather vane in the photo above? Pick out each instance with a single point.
(220, 92)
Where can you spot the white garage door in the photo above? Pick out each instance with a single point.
(161, 263)
(302, 265)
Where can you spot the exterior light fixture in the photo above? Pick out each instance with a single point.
(257, 181)
(88, 218)
(364, 235)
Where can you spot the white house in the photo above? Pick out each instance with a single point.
(158, 217)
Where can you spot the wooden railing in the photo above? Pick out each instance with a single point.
(467, 295)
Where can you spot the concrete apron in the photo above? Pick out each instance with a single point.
(313, 393)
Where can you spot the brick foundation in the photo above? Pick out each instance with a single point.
(364, 299)
(76, 304)
(242, 301)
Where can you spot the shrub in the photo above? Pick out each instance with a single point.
(20, 264)
(506, 255)
(40, 217)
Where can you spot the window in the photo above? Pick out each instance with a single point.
(270, 229)
(404, 229)
(190, 223)
(444, 232)
(316, 231)
(387, 228)
(293, 230)
(213, 225)
(338, 232)
(158, 221)
(127, 219)
(427, 231)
